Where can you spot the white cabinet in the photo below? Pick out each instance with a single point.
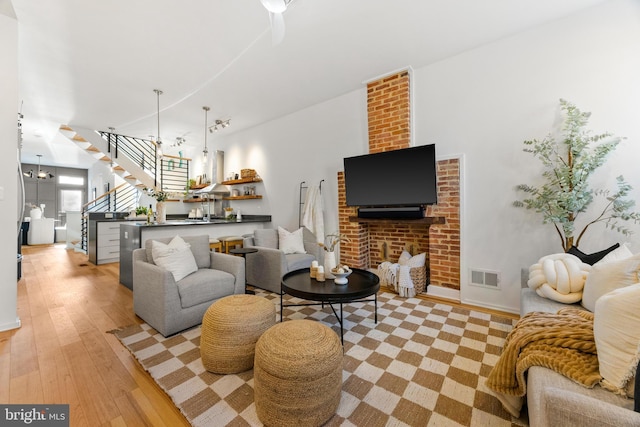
(108, 242)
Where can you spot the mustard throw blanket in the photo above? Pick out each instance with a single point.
(562, 342)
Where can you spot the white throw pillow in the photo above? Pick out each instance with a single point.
(606, 277)
(175, 257)
(559, 277)
(616, 329)
(291, 243)
(620, 253)
(412, 261)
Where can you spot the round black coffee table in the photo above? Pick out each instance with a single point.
(362, 284)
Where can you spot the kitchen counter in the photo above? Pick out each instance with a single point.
(133, 235)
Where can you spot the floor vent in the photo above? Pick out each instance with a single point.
(487, 278)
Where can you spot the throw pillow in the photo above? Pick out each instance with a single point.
(176, 257)
(412, 261)
(559, 277)
(591, 258)
(618, 254)
(291, 242)
(616, 329)
(606, 277)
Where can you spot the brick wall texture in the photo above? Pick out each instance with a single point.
(389, 117)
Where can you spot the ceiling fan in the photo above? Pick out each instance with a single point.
(276, 8)
(41, 174)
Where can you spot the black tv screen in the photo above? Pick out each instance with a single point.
(405, 177)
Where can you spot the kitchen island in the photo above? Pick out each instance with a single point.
(134, 235)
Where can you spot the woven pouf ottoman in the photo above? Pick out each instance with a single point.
(230, 329)
(297, 374)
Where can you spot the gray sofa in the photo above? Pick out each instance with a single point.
(554, 400)
(170, 306)
(266, 267)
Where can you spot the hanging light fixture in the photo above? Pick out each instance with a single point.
(158, 140)
(219, 124)
(205, 152)
(40, 174)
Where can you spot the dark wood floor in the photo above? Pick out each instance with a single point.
(63, 352)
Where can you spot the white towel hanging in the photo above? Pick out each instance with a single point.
(313, 214)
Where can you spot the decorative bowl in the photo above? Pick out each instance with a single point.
(341, 278)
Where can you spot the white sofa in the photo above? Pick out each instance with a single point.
(554, 400)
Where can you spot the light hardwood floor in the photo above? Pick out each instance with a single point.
(63, 352)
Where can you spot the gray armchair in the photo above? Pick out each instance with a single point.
(170, 306)
(266, 267)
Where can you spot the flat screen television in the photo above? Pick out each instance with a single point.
(405, 177)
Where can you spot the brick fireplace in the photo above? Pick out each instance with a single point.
(389, 119)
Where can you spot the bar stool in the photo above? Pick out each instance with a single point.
(215, 244)
(230, 242)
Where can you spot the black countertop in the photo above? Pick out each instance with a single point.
(213, 221)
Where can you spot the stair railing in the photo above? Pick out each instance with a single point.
(173, 171)
(142, 152)
(123, 198)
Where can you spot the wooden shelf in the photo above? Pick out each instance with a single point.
(198, 187)
(193, 200)
(241, 181)
(256, 196)
(429, 220)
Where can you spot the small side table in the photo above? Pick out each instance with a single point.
(243, 253)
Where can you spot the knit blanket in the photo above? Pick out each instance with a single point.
(562, 342)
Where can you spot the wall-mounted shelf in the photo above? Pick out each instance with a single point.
(429, 220)
(256, 196)
(194, 200)
(198, 187)
(241, 181)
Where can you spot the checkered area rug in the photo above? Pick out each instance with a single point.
(422, 364)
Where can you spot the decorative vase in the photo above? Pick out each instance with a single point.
(161, 213)
(329, 264)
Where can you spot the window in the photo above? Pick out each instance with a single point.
(70, 180)
(71, 200)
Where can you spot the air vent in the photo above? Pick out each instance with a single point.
(487, 278)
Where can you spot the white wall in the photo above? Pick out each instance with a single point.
(486, 102)
(8, 176)
(309, 146)
(482, 104)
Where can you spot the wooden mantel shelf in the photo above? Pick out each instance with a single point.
(429, 220)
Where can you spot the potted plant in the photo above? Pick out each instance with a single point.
(141, 211)
(565, 193)
(161, 197)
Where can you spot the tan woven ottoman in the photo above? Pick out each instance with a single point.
(230, 329)
(297, 374)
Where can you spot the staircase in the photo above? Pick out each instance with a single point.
(135, 161)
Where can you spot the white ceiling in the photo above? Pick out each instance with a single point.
(95, 63)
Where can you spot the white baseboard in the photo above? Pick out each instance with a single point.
(11, 325)
(442, 292)
(497, 307)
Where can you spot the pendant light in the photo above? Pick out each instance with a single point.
(205, 152)
(40, 174)
(159, 140)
